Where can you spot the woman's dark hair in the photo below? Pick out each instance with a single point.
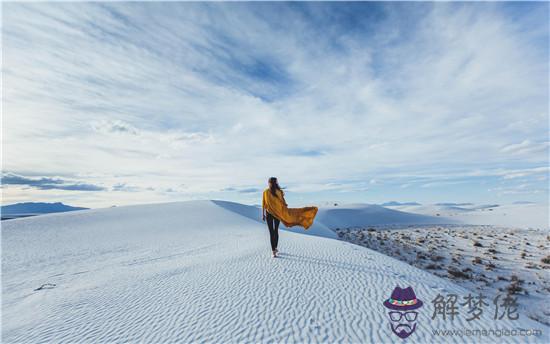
(274, 186)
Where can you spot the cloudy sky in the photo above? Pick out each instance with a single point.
(125, 103)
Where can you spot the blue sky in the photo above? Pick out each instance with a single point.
(125, 103)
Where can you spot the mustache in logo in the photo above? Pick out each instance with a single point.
(403, 330)
(405, 327)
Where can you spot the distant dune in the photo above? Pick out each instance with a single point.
(365, 214)
(38, 208)
(35, 208)
(523, 215)
(394, 203)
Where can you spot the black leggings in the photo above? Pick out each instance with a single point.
(273, 225)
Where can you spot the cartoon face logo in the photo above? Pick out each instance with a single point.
(402, 305)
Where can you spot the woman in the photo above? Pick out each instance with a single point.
(275, 210)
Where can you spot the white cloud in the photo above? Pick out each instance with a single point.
(215, 95)
(526, 147)
(114, 126)
(525, 172)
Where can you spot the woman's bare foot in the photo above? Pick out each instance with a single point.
(274, 253)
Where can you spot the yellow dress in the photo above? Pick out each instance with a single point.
(276, 206)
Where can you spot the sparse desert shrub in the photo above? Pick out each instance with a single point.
(546, 260)
(523, 254)
(420, 255)
(436, 258)
(516, 279)
(477, 260)
(432, 266)
(490, 266)
(457, 273)
(477, 244)
(514, 288)
(492, 250)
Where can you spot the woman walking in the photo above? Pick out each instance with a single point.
(275, 210)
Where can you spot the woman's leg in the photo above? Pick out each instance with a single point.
(270, 219)
(276, 232)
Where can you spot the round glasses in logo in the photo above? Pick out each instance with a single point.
(409, 316)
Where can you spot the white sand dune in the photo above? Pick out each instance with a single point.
(200, 271)
(523, 215)
(350, 215)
